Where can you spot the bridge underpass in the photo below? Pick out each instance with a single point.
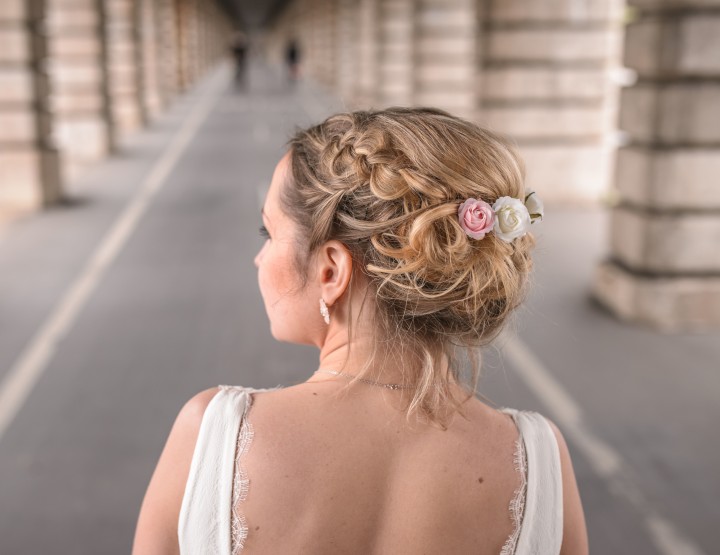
(176, 309)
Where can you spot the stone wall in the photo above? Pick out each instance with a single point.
(664, 267)
(544, 81)
(29, 171)
(83, 73)
(537, 71)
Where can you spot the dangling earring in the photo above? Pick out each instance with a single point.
(324, 311)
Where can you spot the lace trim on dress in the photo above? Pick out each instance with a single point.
(517, 504)
(241, 483)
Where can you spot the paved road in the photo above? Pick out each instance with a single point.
(176, 309)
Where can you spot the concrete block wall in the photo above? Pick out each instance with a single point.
(664, 267)
(80, 74)
(29, 170)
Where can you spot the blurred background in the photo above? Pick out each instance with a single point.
(137, 141)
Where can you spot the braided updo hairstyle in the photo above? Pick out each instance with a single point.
(387, 184)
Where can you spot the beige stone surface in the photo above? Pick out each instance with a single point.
(66, 76)
(429, 74)
(15, 84)
(675, 113)
(666, 304)
(655, 4)
(459, 101)
(20, 184)
(85, 102)
(74, 45)
(676, 179)
(447, 45)
(14, 46)
(690, 112)
(71, 17)
(12, 10)
(554, 10)
(83, 138)
(516, 83)
(687, 45)
(674, 242)
(444, 17)
(555, 46)
(531, 121)
(566, 173)
(638, 112)
(18, 125)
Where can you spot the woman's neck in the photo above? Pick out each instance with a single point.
(392, 362)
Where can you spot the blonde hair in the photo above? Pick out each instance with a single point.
(388, 184)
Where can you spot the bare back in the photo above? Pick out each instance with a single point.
(349, 475)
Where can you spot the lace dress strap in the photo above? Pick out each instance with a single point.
(205, 522)
(241, 480)
(517, 503)
(541, 506)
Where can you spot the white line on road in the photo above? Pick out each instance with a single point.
(33, 360)
(606, 462)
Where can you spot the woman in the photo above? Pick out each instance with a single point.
(396, 241)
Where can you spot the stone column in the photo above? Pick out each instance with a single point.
(544, 82)
(125, 75)
(396, 52)
(182, 15)
(367, 60)
(149, 50)
(445, 61)
(79, 78)
(664, 264)
(325, 41)
(169, 83)
(29, 169)
(190, 43)
(347, 51)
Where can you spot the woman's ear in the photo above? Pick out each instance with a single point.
(335, 266)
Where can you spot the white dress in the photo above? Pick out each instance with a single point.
(211, 523)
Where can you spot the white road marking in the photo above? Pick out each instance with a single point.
(33, 360)
(606, 462)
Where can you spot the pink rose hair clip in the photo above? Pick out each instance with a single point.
(508, 218)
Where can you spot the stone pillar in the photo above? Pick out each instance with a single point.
(78, 73)
(396, 52)
(189, 43)
(125, 74)
(544, 82)
(29, 169)
(446, 56)
(367, 60)
(347, 51)
(664, 264)
(325, 41)
(169, 73)
(149, 50)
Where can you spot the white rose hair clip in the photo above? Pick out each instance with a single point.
(508, 218)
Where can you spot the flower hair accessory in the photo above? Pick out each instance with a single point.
(509, 217)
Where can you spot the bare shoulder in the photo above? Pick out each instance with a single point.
(193, 410)
(575, 540)
(156, 530)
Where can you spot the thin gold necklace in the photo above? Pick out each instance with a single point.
(388, 385)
